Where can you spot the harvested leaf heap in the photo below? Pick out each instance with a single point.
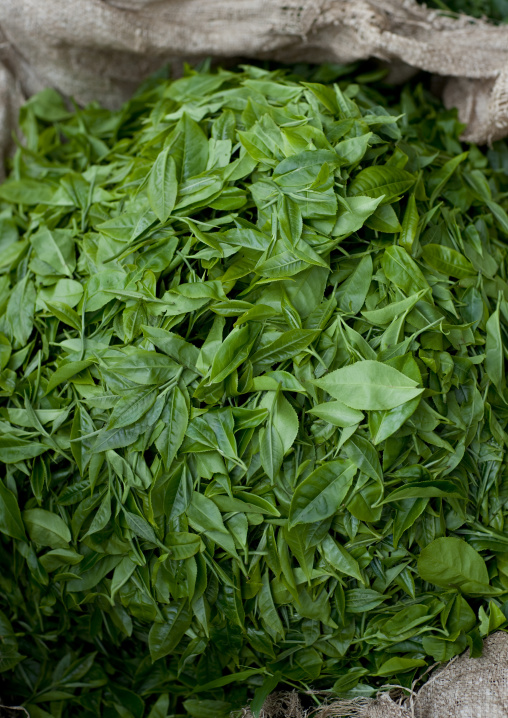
(253, 400)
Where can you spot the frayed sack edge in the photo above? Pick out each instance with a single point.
(288, 705)
(390, 703)
(490, 672)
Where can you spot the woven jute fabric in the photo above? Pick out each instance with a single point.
(463, 688)
(102, 49)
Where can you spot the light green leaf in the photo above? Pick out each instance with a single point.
(369, 385)
(319, 495)
(46, 528)
(163, 185)
(450, 562)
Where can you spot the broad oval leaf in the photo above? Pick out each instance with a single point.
(321, 493)
(337, 413)
(369, 385)
(383, 181)
(451, 562)
(46, 528)
(448, 261)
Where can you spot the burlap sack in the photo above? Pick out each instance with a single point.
(463, 688)
(102, 49)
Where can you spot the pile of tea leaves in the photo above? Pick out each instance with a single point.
(253, 404)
